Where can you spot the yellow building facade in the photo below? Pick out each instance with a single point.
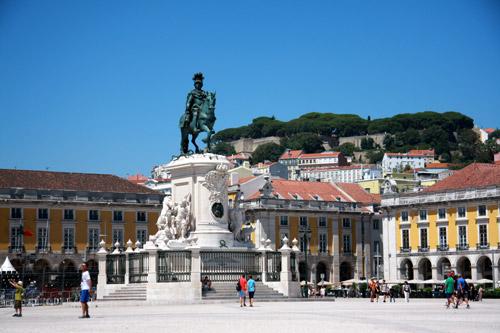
(52, 222)
(452, 226)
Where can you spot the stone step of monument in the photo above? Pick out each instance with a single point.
(227, 291)
(132, 292)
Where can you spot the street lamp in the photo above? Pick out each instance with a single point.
(306, 232)
(62, 287)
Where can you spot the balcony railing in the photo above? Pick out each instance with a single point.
(17, 249)
(443, 247)
(423, 249)
(92, 249)
(43, 249)
(68, 250)
(463, 247)
(483, 246)
(403, 249)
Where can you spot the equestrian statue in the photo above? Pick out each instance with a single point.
(198, 117)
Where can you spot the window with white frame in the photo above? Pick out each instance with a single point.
(141, 235)
(483, 235)
(93, 215)
(422, 214)
(462, 212)
(423, 238)
(405, 237)
(16, 213)
(376, 224)
(69, 214)
(43, 214)
(117, 216)
(462, 235)
(42, 238)
(404, 216)
(16, 239)
(376, 247)
(322, 221)
(442, 213)
(284, 220)
(141, 216)
(68, 238)
(117, 236)
(322, 243)
(346, 244)
(303, 221)
(346, 223)
(93, 238)
(481, 210)
(443, 241)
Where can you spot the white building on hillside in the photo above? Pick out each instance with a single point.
(342, 174)
(396, 162)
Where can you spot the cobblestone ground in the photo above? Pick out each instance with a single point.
(356, 315)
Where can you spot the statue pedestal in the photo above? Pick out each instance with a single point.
(204, 176)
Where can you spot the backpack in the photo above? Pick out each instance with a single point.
(238, 286)
(466, 286)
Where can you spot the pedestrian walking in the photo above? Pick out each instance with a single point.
(242, 286)
(385, 290)
(406, 291)
(462, 292)
(449, 287)
(392, 295)
(18, 298)
(85, 286)
(251, 289)
(373, 289)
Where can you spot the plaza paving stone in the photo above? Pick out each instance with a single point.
(343, 315)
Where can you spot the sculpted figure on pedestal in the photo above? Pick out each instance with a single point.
(199, 116)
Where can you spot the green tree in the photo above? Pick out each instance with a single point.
(375, 156)
(389, 142)
(308, 142)
(223, 148)
(347, 148)
(268, 151)
(468, 143)
(367, 143)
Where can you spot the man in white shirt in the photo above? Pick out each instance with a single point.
(86, 286)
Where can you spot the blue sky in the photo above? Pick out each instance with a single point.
(99, 86)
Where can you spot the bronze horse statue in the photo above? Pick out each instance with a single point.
(201, 121)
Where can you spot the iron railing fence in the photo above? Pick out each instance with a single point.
(174, 266)
(230, 265)
(115, 268)
(138, 267)
(273, 266)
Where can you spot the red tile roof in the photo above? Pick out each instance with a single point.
(320, 155)
(137, 179)
(291, 154)
(489, 130)
(358, 193)
(437, 165)
(70, 181)
(421, 152)
(475, 175)
(346, 192)
(239, 156)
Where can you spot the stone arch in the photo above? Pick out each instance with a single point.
(406, 269)
(346, 271)
(443, 268)
(68, 274)
(321, 268)
(464, 267)
(424, 269)
(484, 268)
(41, 272)
(18, 264)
